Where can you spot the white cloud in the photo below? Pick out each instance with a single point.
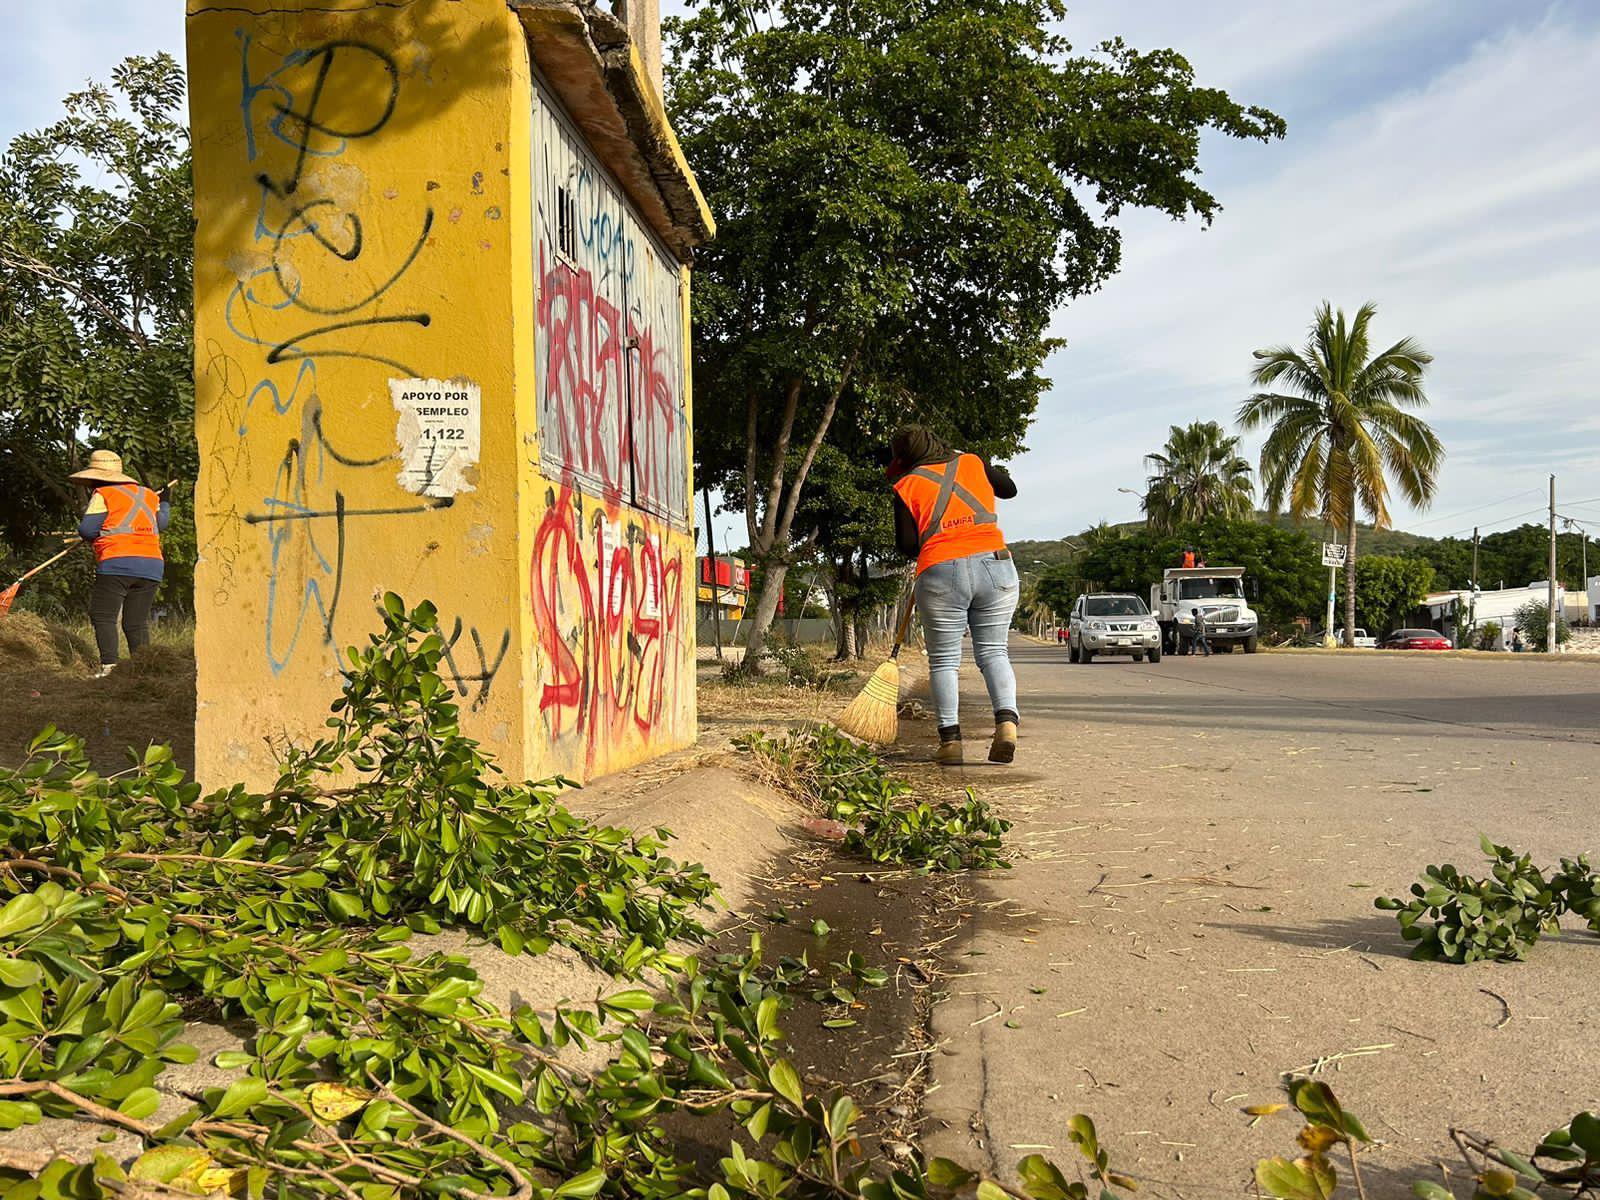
(1463, 205)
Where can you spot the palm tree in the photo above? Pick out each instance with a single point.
(1197, 474)
(1339, 429)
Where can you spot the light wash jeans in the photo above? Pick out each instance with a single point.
(979, 591)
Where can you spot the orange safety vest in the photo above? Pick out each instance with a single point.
(1188, 558)
(953, 505)
(130, 529)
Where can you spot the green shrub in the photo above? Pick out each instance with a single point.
(1533, 619)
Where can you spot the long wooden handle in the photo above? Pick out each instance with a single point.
(905, 626)
(47, 562)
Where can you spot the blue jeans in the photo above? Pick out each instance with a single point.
(979, 591)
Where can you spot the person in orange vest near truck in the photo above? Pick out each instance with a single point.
(945, 518)
(124, 523)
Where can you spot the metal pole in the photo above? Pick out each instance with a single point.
(716, 594)
(1472, 616)
(1550, 625)
(1333, 590)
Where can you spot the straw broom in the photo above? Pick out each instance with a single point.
(874, 715)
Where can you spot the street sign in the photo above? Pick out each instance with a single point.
(1333, 554)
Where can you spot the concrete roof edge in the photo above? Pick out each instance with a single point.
(588, 59)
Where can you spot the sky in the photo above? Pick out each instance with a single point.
(1441, 161)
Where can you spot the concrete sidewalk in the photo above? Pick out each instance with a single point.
(1190, 916)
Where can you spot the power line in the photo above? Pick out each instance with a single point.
(1469, 511)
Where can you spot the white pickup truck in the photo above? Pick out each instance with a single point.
(1363, 640)
(1215, 595)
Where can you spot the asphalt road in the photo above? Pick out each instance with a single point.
(1198, 846)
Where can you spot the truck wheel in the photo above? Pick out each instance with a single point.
(1185, 646)
(1250, 644)
(1072, 652)
(1155, 654)
(1086, 656)
(1138, 656)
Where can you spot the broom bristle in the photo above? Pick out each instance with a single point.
(874, 715)
(7, 596)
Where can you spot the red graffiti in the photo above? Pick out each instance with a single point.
(608, 409)
(586, 419)
(606, 604)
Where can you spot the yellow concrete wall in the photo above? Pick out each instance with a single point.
(367, 212)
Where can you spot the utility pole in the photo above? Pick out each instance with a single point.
(1472, 616)
(716, 594)
(1550, 625)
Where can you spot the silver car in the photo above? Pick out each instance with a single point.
(1112, 623)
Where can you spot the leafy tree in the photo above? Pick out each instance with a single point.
(906, 192)
(1388, 589)
(1059, 587)
(1199, 473)
(1533, 618)
(1282, 566)
(1340, 429)
(848, 507)
(96, 245)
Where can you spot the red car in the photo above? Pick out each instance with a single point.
(1416, 639)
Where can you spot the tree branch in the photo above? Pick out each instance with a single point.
(823, 423)
(780, 455)
(750, 467)
(50, 275)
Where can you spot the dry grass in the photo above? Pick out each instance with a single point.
(44, 675)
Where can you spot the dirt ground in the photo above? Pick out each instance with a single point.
(44, 677)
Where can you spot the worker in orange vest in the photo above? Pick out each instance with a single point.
(945, 519)
(123, 523)
(1188, 557)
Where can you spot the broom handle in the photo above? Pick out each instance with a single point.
(47, 562)
(905, 626)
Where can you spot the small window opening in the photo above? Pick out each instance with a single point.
(566, 223)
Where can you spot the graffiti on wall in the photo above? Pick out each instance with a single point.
(312, 290)
(609, 336)
(608, 571)
(608, 607)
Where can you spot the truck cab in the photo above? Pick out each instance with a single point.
(1188, 595)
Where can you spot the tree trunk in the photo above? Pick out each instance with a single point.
(845, 625)
(766, 611)
(861, 635)
(1350, 580)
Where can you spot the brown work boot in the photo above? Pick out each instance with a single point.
(1004, 747)
(949, 752)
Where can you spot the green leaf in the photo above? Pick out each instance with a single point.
(506, 1085)
(945, 1173)
(163, 1164)
(786, 1082)
(21, 912)
(1042, 1180)
(580, 1187)
(989, 1191)
(140, 1103)
(1427, 1189)
(18, 973)
(241, 1096)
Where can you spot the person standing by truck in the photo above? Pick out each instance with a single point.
(124, 522)
(944, 506)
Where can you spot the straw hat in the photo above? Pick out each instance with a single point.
(105, 466)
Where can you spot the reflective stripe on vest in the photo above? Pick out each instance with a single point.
(130, 529)
(945, 477)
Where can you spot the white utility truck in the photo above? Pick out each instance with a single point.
(1187, 595)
